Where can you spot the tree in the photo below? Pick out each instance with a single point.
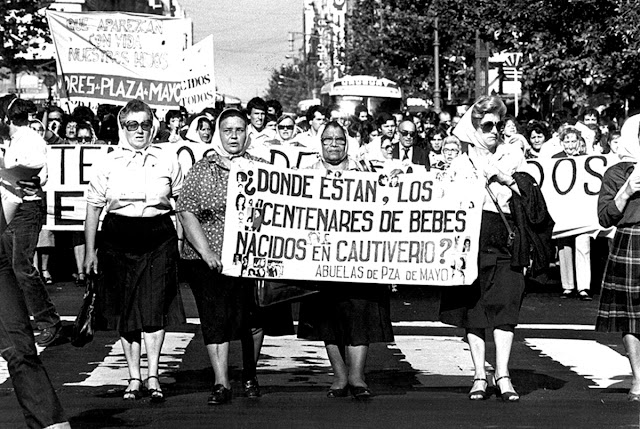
(21, 28)
(293, 82)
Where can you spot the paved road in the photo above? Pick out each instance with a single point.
(568, 376)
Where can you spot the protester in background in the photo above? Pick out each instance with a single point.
(538, 134)
(317, 117)
(52, 119)
(347, 317)
(619, 206)
(361, 113)
(257, 132)
(581, 278)
(493, 300)
(35, 393)
(614, 142)
(226, 305)
(435, 138)
(407, 151)
(274, 108)
(138, 255)
(200, 130)
(451, 149)
(37, 126)
(287, 131)
(270, 124)
(173, 119)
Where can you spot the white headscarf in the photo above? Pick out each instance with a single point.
(629, 146)
(216, 140)
(122, 133)
(192, 132)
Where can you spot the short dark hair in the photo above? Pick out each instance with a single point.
(487, 104)
(311, 112)
(19, 111)
(276, 106)
(383, 118)
(361, 108)
(590, 111)
(231, 113)
(538, 127)
(256, 103)
(172, 114)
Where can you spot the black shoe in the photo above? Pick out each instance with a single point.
(156, 395)
(219, 395)
(338, 393)
(360, 392)
(567, 293)
(584, 296)
(251, 388)
(49, 335)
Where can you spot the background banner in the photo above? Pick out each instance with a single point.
(113, 57)
(570, 187)
(354, 227)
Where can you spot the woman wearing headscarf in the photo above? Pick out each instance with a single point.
(287, 131)
(138, 255)
(619, 206)
(226, 305)
(347, 317)
(200, 130)
(493, 300)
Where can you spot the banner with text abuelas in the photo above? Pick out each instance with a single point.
(351, 227)
(112, 57)
(570, 187)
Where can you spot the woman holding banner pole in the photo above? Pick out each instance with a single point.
(619, 205)
(493, 300)
(139, 249)
(347, 317)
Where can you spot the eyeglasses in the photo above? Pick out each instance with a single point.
(451, 151)
(86, 139)
(405, 133)
(339, 141)
(387, 147)
(488, 126)
(133, 125)
(286, 127)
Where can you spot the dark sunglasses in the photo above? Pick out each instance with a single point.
(386, 147)
(405, 133)
(85, 139)
(487, 127)
(133, 125)
(286, 127)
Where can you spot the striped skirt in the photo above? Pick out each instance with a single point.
(620, 296)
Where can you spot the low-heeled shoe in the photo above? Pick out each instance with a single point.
(341, 392)
(360, 392)
(219, 395)
(251, 388)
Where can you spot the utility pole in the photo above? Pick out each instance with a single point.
(482, 66)
(437, 99)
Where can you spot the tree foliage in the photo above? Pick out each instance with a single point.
(294, 82)
(580, 47)
(21, 28)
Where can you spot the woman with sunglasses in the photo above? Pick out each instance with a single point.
(493, 300)
(287, 131)
(138, 255)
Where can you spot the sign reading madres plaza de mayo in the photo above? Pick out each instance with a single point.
(113, 57)
(418, 228)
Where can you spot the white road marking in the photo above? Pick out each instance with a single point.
(112, 370)
(437, 356)
(588, 358)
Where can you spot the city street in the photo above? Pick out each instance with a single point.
(567, 375)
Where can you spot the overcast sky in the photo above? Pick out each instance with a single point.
(250, 39)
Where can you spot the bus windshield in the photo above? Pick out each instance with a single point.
(351, 91)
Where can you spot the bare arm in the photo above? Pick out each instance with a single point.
(195, 234)
(90, 230)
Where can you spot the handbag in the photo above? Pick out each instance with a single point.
(271, 293)
(512, 234)
(84, 326)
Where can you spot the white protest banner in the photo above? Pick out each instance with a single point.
(113, 57)
(355, 227)
(198, 87)
(570, 187)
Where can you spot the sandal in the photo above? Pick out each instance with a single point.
(132, 394)
(506, 396)
(46, 277)
(156, 394)
(479, 394)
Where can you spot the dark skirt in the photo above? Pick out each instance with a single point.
(347, 314)
(620, 296)
(226, 305)
(495, 298)
(138, 286)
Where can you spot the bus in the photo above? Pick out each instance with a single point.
(377, 94)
